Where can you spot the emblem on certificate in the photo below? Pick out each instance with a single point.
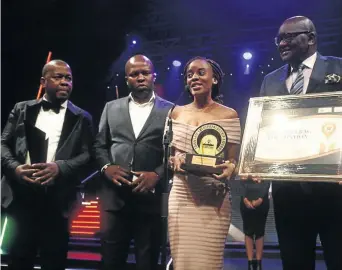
(293, 138)
(208, 142)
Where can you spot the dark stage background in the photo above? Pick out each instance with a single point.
(96, 38)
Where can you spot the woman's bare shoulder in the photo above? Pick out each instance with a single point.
(176, 112)
(227, 112)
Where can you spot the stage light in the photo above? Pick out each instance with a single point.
(134, 42)
(247, 70)
(176, 63)
(247, 55)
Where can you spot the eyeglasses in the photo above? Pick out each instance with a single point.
(288, 37)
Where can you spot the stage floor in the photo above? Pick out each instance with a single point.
(233, 260)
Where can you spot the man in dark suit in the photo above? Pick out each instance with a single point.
(305, 210)
(129, 150)
(40, 176)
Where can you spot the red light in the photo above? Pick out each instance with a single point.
(88, 219)
(85, 227)
(79, 232)
(86, 222)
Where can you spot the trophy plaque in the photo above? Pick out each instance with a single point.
(37, 143)
(293, 138)
(208, 142)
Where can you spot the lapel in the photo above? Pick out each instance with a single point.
(32, 110)
(70, 120)
(152, 117)
(282, 88)
(29, 121)
(318, 74)
(126, 118)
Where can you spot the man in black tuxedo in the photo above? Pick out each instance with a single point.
(305, 210)
(129, 151)
(40, 177)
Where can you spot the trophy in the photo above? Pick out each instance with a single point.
(208, 142)
(37, 143)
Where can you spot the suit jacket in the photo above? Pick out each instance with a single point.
(274, 84)
(72, 154)
(116, 144)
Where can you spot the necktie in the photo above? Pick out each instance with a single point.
(298, 84)
(51, 106)
(297, 89)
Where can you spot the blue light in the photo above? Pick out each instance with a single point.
(247, 55)
(134, 42)
(176, 63)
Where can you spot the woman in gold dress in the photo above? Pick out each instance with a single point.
(199, 203)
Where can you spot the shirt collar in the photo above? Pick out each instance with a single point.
(143, 104)
(63, 105)
(309, 62)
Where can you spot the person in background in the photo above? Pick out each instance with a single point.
(254, 208)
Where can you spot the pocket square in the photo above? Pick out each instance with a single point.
(332, 79)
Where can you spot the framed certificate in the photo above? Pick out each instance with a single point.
(294, 138)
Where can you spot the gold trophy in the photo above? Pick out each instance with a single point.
(208, 142)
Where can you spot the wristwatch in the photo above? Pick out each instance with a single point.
(105, 167)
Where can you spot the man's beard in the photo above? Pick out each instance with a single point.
(141, 93)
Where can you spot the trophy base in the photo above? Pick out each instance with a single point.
(202, 164)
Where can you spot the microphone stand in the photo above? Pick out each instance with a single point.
(165, 194)
(81, 187)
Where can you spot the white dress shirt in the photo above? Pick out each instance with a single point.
(139, 113)
(51, 123)
(309, 64)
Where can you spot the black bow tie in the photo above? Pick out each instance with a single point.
(51, 106)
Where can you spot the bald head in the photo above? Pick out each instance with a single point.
(302, 22)
(138, 60)
(50, 66)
